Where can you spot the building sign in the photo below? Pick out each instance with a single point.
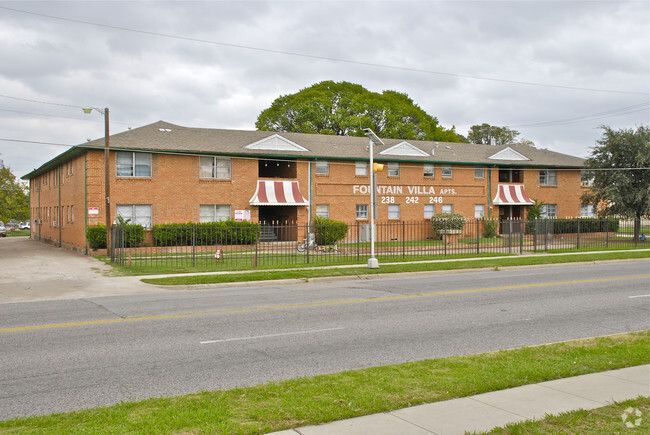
(93, 210)
(363, 189)
(242, 215)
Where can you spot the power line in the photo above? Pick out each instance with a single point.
(607, 114)
(312, 56)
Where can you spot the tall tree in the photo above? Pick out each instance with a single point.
(620, 165)
(14, 200)
(346, 109)
(487, 134)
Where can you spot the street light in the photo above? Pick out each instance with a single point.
(373, 263)
(107, 190)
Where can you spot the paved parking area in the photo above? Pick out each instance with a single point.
(32, 270)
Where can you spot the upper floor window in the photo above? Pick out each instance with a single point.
(214, 167)
(361, 169)
(479, 172)
(511, 176)
(547, 177)
(133, 164)
(393, 169)
(447, 172)
(586, 178)
(322, 167)
(429, 170)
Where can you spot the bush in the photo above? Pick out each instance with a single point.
(490, 229)
(96, 236)
(447, 222)
(329, 231)
(133, 235)
(210, 233)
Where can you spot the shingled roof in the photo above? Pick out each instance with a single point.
(164, 137)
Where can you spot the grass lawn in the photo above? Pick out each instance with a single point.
(605, 420)
(260, 275)
(305, 401)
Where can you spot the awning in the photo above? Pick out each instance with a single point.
(511, 194)
(278, 193)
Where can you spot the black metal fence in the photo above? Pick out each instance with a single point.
(233, 248)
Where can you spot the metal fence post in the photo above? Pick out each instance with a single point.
(578, 235)
(521, 237)
(478, 236)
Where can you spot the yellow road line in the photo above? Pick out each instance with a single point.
(311, 304)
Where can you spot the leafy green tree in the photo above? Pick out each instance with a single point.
(14, 200)
(487, 134)
(620, 164)
(345, 109)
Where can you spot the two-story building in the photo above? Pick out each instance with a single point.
(164, 173)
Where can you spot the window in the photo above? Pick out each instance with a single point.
(587, 211)
(429, 211)
(322, 167)
(429, 170)
(362, 211)
(393, 169)
(479, 172)
(214, 167)
(547, 177)
(511, 176)
(133, 164)
(586, 178)
(447, 172)
(139, 214)
(479, 211)
(361, 169)
(323, 210)
(549, 211)
(214, 212)
(447, 209)
(393, 211)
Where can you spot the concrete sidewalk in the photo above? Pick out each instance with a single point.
(487, 411)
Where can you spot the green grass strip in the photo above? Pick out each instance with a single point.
(629, 416)
(320, 399)
(394, 268)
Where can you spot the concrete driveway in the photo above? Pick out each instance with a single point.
(32, 270)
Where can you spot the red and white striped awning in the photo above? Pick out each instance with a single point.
(511, 194)
(278, 193)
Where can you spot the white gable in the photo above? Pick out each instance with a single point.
(508, 154)
(404, 149)
(275, 143)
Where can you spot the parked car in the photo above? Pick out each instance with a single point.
(3, 230)
(24, 225)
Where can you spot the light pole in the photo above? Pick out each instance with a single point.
(107, 186)
(373, 263)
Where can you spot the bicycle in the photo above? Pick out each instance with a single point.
(310, 243)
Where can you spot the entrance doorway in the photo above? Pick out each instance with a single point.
(278, 223)
(510, 219)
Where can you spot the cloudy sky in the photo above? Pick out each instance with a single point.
(553, 70)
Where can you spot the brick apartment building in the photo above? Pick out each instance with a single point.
(164, 173)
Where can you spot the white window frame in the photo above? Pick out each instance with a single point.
(447, 209)
(549, 211)
(587, 211)
(362, 211)
(447, 172)
(322, 167)
(214, 212)
(479, 172)
(323, 211)
(547, 177)
(429, 211)
(393, 211)
(139, 214)
(361, 169)
(479, 211)
(130, 163)
(393, 169)
(215, 167)
(586, 178)
(429, 170)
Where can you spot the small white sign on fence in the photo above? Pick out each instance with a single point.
(217, 255)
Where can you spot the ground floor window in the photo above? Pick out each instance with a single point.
(447, 209)
(362, 211)
(137, 214)
(393, 211)
(323, 211)
(587, 211)
(549, 211)
(214, 212)
(429, 211)
(479, 211)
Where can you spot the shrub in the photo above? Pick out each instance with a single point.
(133, 235)
(490, 229)
(96, 236)
(329, 231)
(447, 222)
(209, 233)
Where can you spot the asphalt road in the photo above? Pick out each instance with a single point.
(62, 355)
